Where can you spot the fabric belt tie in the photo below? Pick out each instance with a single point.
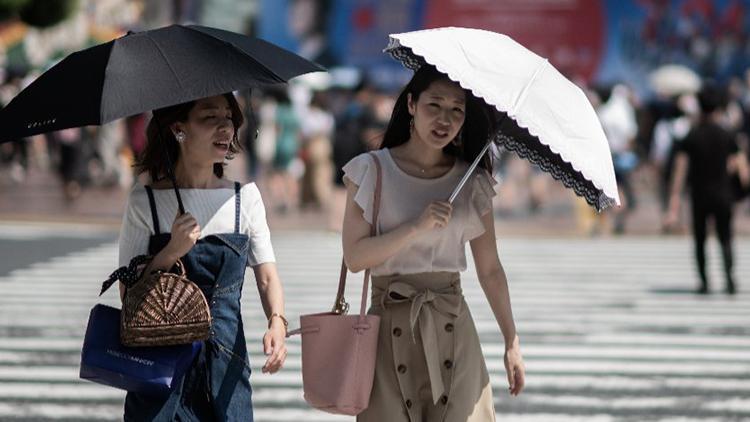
(424, 304)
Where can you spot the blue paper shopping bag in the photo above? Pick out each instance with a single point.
(147, 370)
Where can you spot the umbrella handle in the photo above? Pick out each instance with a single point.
(469, 172)
(170, 173)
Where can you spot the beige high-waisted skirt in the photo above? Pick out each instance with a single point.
(429, 366)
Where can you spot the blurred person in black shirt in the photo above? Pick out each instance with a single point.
(351, 128)
(709, 156)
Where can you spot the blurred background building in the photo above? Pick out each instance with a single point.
(640, 62)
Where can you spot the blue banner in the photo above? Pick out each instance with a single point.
(596, 41)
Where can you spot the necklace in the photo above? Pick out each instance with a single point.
(407, 163)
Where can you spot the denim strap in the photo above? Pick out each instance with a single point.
(152, 204)
(237, 207)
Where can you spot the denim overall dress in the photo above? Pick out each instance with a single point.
(217, 385)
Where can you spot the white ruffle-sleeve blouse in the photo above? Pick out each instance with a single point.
(404, 198)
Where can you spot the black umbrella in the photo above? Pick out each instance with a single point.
(145, 71)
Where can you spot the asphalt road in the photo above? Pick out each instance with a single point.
(609, 328)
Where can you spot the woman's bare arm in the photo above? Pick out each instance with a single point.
(495, 286)
(492, 278)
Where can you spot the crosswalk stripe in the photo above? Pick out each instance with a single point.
(607, 329)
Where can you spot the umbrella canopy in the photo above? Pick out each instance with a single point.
(674, 79)
(547, 118)
(144, 71)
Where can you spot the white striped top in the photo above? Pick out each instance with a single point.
(214, 209)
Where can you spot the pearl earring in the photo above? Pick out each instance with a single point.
(180, 137)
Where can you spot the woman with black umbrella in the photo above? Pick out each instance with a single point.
(224, 232)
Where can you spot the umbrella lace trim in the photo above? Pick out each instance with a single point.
(404, 55)
(595, 197)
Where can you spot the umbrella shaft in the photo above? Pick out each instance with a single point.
(170, 167)
(469, 172)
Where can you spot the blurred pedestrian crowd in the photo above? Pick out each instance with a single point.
(645, 135)
(300, 136)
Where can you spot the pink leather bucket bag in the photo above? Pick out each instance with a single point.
(339, 350)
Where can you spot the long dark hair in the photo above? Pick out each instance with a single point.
(153, 158)
(475, 130)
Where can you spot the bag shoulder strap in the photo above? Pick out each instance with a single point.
(340, 305)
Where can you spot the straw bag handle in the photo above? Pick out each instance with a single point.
(340, 306)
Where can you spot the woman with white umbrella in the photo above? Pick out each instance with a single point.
(429, 362)
(470, 88)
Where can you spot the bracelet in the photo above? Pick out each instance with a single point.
(275, 314)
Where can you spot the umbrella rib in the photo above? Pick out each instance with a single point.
(169, 65)
(522, 96)
(242, 52)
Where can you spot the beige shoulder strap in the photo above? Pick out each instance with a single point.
(340, 306)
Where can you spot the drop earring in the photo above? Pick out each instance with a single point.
(459, 139)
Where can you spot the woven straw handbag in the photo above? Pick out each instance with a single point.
(162, 309)
(339, 350)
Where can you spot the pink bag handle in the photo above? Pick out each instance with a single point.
(341, 306)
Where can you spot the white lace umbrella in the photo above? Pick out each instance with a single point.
(549, 122)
